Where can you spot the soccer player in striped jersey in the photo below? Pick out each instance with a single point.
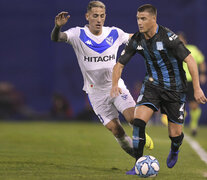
(96, 49)
(164, 86)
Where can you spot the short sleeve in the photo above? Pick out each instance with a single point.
(129, 51)
(176, 45)
(72, 34)
(123, 36)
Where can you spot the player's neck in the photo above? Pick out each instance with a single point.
(151, 32)
(95, 32)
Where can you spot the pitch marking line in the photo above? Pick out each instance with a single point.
(198, 149)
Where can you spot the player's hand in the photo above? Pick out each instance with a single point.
(61, 19)
(115, 91)
(199, 96)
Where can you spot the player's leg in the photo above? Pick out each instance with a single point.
(147, 103)
(176, 136)
(122, 138)
(126, 105)
(195, 113)
(108, 115)
(142, 115)
(129, 116)
(175, 113)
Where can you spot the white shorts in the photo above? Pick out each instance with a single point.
(106, 107)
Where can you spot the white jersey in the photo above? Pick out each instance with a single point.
(97, 55)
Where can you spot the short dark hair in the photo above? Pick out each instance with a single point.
(92, 4)
(149, 8)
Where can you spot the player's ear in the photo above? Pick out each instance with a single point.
(155, 18)
(87, 16)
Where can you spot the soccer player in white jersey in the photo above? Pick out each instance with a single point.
(96, 49)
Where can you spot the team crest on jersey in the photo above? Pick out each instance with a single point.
(159, 45)
(110, 40)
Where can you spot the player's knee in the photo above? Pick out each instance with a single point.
(129, 115)
(116, 129)
(139, 123)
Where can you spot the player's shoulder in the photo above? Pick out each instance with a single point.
(167, 33)
(74, 30)
(110, 28)
(137, 36)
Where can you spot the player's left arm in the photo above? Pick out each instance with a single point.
(202, 71)
(192, 67)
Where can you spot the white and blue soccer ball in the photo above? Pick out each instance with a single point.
(147, 166)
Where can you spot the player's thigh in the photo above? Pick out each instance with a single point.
(174, 108)
(129, 114)
(125, 104)
(103, 107)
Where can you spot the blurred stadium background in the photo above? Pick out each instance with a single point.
(39, 68)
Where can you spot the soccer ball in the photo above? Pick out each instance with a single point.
(147, 166)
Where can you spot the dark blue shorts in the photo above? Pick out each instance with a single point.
(171, 103)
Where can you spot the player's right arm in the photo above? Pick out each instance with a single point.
(126, 55)
(60, 20)
(116, 75)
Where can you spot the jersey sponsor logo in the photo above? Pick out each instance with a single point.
(139, 47)
(100, 58)
(159, 45)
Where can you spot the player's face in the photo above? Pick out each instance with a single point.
(146, 21)
(96, 18)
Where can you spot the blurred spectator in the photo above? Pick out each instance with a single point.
(61, 108)
(12, 104)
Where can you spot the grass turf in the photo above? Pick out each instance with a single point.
(73, 151)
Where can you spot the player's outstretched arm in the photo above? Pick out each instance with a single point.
(60, 20)
(192, 67)
(116, 75)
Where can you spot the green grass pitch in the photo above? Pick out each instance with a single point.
(86, 151)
